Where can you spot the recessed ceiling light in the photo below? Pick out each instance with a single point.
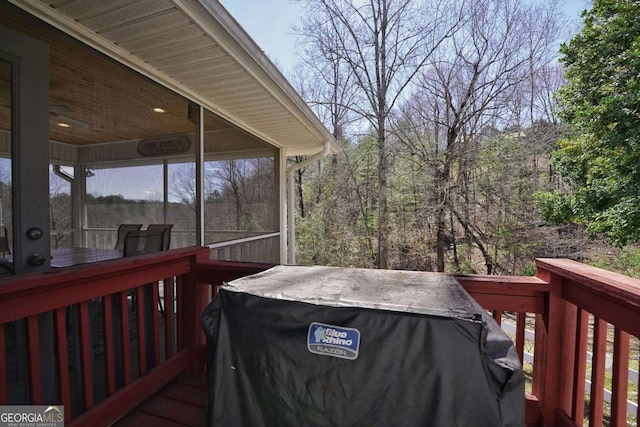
(70, 121)
(159, 110)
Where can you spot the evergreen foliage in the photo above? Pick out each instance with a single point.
(600, 161)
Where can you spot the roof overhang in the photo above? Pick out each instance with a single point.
(198, 50)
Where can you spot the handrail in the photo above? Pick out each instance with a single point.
(47, 305)
(243, 240)
(260, 248)
(558, 303)
(562, 298)
(178, 230)
(231, 245)
(524, 294)
(578, 293)
(610, 296)
(526, 297)
(26, 295)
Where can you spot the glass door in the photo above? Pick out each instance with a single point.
(6, 223)
(24, 154)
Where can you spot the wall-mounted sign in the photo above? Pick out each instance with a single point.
(164, 146)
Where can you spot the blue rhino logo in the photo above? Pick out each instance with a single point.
(319, 333)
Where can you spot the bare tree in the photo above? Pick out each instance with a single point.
(548, 80)
(325, 80)
(385, 44)
(59, 211)
(244, 188)
(182, 185)
(471, 85)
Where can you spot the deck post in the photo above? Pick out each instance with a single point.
(554, 352)
(196, 296)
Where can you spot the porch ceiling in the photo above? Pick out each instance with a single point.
(197, 49)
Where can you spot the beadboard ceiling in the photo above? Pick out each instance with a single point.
(193, 47)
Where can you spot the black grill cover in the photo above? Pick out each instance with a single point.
(323, 346)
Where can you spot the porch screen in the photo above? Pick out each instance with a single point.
(322, 346)
(240, 183)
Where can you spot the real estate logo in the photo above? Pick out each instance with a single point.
(335, 341)
(31, 416)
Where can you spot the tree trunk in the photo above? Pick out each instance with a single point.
(454, 245)
(440, 233)
(383, 214)
(299, 174)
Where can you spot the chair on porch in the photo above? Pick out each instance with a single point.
(137, 242)
(152, 228)
(123, 229)
(166, 243)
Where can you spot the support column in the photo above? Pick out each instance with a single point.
(199, 122)
(281, 180)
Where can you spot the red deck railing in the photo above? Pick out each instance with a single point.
(580, 295)
(526, 298)
(94, 339)
(575, 310)
(100, 376)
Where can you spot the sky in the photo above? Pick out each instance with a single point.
(269, 23)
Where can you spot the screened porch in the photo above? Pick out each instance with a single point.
(124, 149)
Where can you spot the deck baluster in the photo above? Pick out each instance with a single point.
(37, 396)
(521, 324)
(580, 366)
(169, 316)
(86, 353)
(64, 385)
(3, 364)
(620, 381)
(599, 351)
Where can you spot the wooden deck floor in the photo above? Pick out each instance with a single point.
(180, 403)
